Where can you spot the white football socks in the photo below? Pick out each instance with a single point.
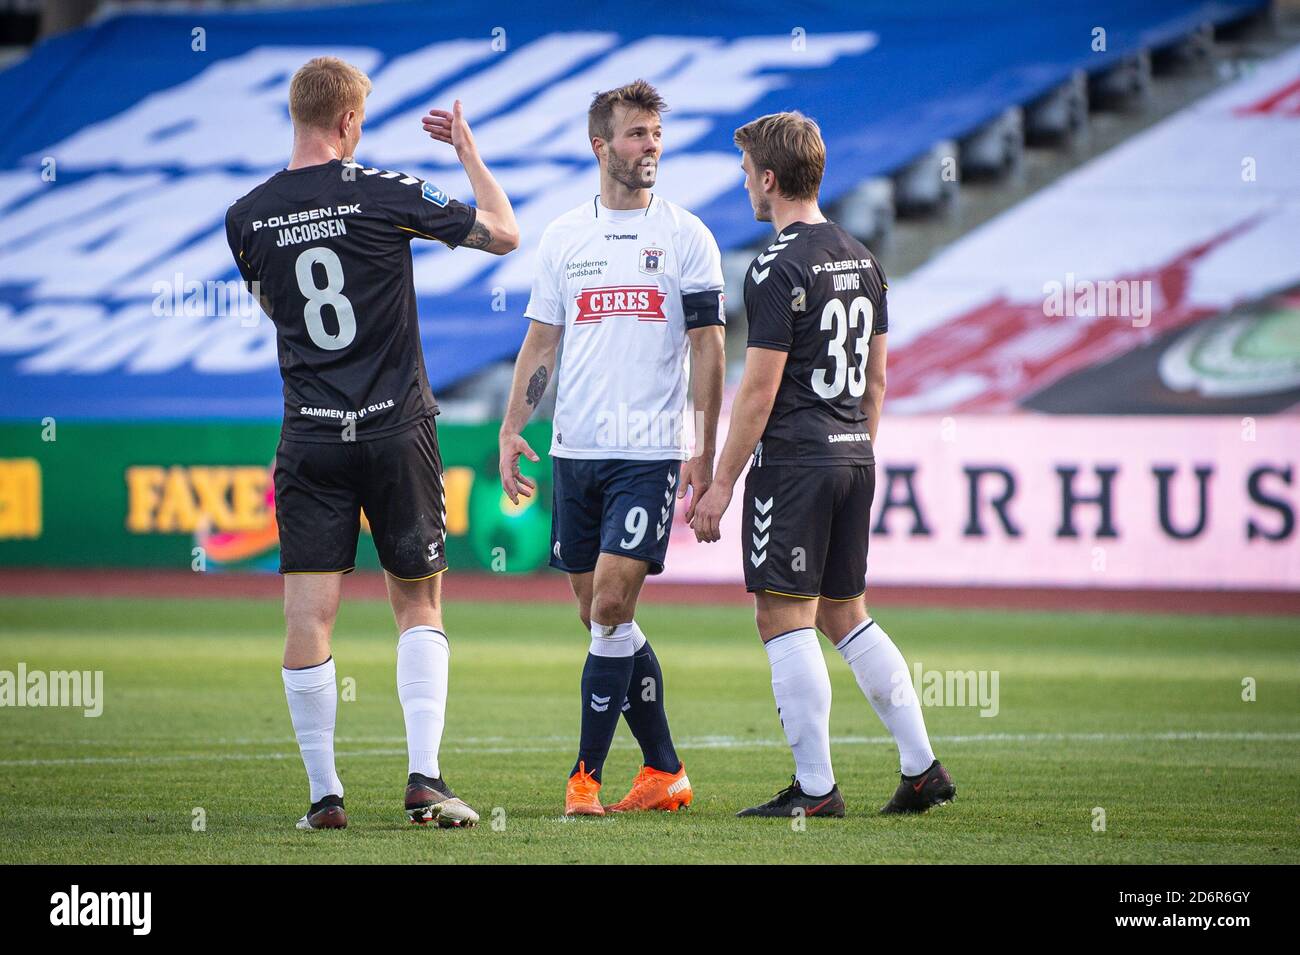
(802, 687)
(883, 676)
(422, 658)
(620, 642)
(638, 638)
(313, 705)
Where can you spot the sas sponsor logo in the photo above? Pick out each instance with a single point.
(435, 195)
(652, 261)
(645, 303)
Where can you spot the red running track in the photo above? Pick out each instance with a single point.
(552, 587)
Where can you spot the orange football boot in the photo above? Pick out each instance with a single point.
(654, 789)
(582, 794)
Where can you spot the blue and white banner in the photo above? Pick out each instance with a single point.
(125, 142)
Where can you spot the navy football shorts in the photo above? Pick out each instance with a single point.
(611, 506)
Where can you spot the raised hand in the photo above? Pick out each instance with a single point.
(450, 128)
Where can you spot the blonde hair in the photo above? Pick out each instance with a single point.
(790, 144)
(324, 89)
(638, 95)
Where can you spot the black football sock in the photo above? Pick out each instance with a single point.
(645, 713)
(605, 680)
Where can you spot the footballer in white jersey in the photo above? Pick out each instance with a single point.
(632, 285)
(626, 285)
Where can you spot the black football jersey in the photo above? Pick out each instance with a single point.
(819, 294)
(329, 249)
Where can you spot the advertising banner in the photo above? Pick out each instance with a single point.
(1172, 502)
(200, 496)
(1162, 502)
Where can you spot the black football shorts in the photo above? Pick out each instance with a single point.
(804, 529)
(321, 489)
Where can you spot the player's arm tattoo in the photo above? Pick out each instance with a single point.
(480, 236)
(537, 386)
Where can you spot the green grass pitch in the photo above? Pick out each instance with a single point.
(1141, 716)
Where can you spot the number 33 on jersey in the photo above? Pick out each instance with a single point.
(818, 294)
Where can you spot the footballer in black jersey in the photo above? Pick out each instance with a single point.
(324, 246)
(805, 419)
(817, 294)
(329, 246)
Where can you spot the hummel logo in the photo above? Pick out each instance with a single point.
(758, 276)
(764, 259)
(786, 238)
(599, 703)
(759, 553)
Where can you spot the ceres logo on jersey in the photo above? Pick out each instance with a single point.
(652, 261)
(645, 303)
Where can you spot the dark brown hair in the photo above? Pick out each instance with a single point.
(638, 95)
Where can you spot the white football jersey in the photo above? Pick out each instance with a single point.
(625, 284)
